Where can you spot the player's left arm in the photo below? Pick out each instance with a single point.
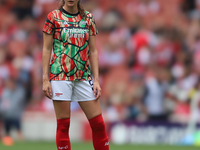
(94, 62)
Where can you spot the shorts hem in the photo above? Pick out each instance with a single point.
(61, 99)
(83, 100)
(73, 100)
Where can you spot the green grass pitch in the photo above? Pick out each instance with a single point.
(88, 146)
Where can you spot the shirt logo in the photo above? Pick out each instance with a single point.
(107, 143)
(75, 32)
(58, 94)
(66, 147)
(83, 22)
(65, 23)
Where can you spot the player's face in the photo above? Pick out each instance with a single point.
(71, 3)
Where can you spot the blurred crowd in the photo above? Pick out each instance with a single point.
(149, 57)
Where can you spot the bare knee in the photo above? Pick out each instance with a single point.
(62, 109)
(91, 108)
(62, 116)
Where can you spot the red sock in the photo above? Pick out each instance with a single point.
(99, 135)
(62, 135)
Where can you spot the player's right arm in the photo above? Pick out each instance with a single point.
(47, 48)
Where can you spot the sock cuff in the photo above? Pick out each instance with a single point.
(63, 121)
(96, 120)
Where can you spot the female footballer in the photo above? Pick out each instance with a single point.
(71, 31)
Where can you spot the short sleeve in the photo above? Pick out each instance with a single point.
(93, 28)
(49, 24)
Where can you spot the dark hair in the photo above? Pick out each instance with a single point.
(80, 8)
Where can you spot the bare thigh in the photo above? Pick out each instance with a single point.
(91, 108)
(62, 109)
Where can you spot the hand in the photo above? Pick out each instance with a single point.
(47, 89)
(97, 90)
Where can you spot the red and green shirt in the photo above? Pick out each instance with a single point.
(70, 60)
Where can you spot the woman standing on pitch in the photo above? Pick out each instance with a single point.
(71, 31)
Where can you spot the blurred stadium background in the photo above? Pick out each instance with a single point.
(149, 58)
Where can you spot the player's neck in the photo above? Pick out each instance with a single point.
(71, 10)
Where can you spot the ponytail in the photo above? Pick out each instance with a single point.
(61, 4)
(81, 10)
